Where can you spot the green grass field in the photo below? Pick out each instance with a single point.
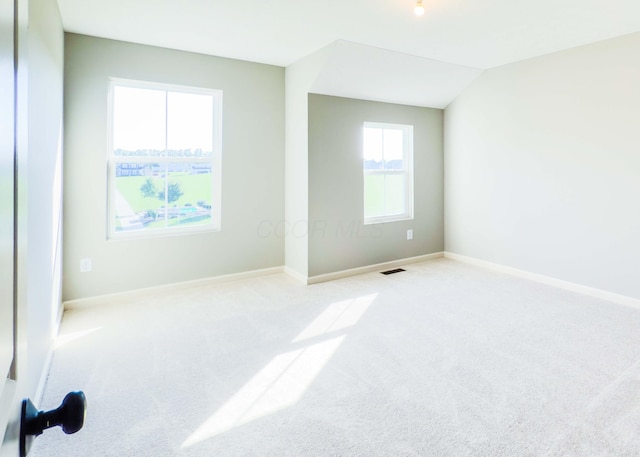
(374, 191)
(194, 187)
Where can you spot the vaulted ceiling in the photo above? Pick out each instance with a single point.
(479, 34)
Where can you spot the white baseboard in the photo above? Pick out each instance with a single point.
(46, 368)
(115, 297)
(295, 275)
(44, 375)
(107, 299)
(371, 268)
(571, 286)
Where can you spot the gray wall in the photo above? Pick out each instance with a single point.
(338, 239)
(44, 184)
(542, 163)
(252, 169)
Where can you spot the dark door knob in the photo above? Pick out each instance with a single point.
(69, 415)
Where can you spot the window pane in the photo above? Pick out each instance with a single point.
(190, 124)
(135, 196)
(186, 196)
(394, 195)
(373, 196)
(163, 169)
(372, 148)
(138, 121)
(154, 195)
(393, 149)
(386, 177)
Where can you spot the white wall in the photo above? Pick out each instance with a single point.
(252, 169)
(542, 166)
(300, 77)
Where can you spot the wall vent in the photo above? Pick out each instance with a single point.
(390, 272)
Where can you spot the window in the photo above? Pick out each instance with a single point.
(164, 159)
(388, 172)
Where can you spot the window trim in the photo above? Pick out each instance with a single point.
(407, 171)
(215, 161)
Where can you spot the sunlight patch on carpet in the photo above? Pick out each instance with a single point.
(287, 377)
(69, 337)
(277, 386)
(337, 316)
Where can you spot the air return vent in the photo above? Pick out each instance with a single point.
(390, 272)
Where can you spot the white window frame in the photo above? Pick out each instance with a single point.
(215, 160)
(407, 171)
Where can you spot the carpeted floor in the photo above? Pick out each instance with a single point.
(445, 359)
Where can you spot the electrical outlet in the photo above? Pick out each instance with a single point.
(85, 265)
(410, 234)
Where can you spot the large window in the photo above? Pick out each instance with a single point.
(388, 172)
(164, 159)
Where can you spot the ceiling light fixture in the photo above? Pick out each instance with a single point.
(419, 9)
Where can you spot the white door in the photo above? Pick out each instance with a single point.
(19, 45)
(9, 401)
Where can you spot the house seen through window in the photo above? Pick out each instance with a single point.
(164, 159)
(388, 172)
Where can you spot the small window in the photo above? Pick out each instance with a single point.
(164, 159)
(388, 172)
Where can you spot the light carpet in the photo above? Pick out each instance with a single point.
(444, 359)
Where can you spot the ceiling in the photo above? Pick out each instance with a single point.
(368, 73)
(381, 50)
(475, 33)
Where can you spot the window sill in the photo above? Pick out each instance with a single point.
(160, 233)
(385, 219)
